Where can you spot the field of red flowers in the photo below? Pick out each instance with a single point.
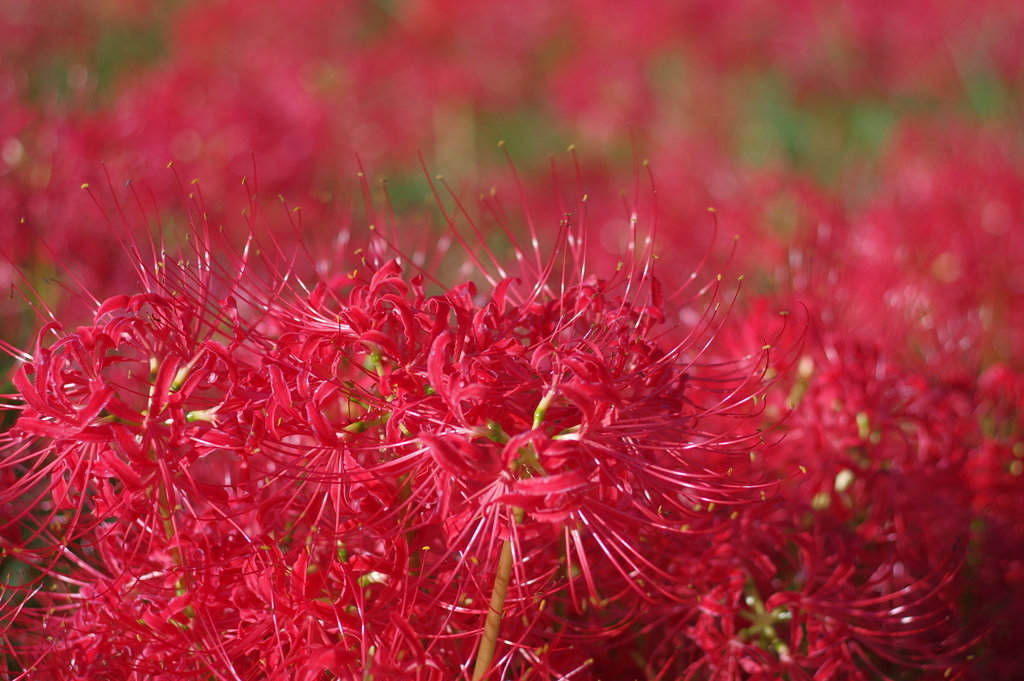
(457, 340)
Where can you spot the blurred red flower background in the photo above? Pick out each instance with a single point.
(305, 379)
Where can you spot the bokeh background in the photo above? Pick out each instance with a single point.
(892, 126)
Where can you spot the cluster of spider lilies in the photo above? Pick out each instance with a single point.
(510, 422)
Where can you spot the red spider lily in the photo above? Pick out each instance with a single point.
(279, 477)
(254, 470)
(773, 592)
(234, 472)
(893, 453)
(994, 474)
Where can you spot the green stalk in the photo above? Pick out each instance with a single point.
(489, 641)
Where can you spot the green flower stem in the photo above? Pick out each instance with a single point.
(496, 610)
(489, 641)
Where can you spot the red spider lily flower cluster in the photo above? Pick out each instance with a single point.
(235, 472)
(231, 472)
(259, 455)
